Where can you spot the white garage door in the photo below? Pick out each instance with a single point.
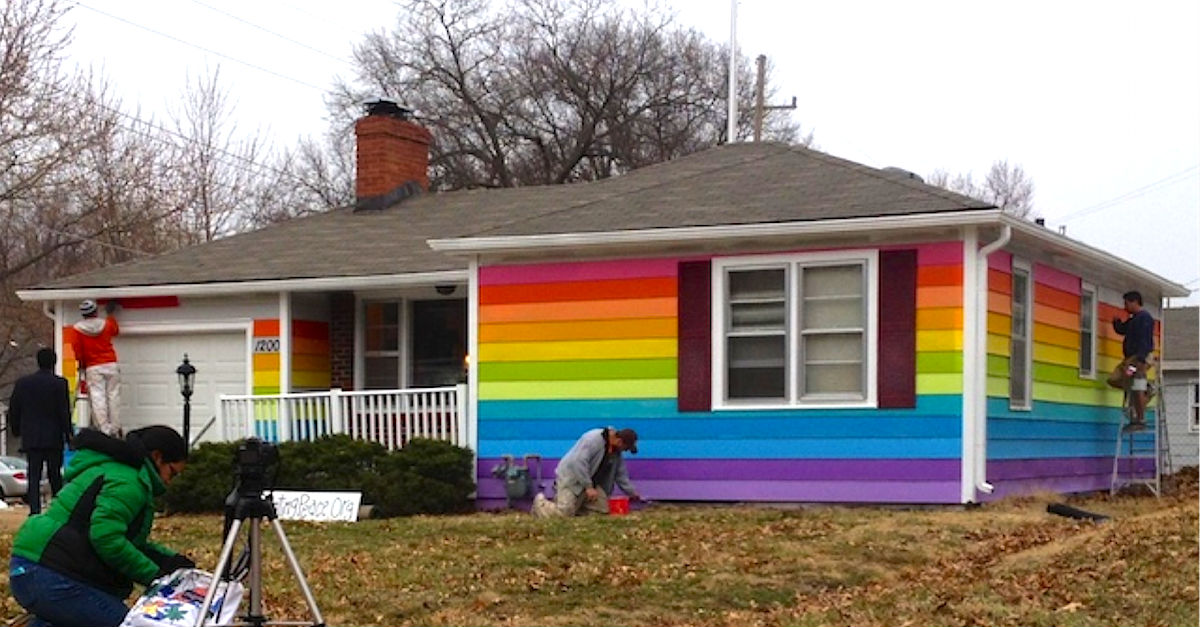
(150, 388)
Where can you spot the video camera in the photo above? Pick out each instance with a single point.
(252, 460)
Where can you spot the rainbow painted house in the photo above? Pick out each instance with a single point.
(778, 324)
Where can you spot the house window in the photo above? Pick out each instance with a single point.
(1087, 332)
(439, 342)
(381, 345)
(1019, 380)
(795, 330)
(1194, 406)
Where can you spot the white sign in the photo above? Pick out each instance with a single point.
(317, 506)
(266, 345)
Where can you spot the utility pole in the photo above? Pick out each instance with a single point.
(760, 107)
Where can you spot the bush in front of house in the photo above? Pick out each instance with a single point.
(205, 482)
(425, 477)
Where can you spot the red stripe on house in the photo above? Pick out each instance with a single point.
(145, 302)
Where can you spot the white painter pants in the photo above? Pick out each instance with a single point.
(567, 503)
(104, 397)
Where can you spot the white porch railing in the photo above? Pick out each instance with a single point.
(389, 417)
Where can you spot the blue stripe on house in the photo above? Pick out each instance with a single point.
(621, 410)
(661, 429)
(759, 448)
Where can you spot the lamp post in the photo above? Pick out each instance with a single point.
(187, 379)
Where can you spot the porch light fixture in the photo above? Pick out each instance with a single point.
(445, 289)
(187, 380)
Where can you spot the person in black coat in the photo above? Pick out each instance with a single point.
(39, 412)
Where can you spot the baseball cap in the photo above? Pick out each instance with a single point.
(629, 437)
(87, 307)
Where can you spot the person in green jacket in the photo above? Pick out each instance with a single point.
(75, 564)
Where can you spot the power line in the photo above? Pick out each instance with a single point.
(271, 32)
(202, 48)
(1166, 180)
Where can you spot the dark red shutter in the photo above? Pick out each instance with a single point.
(695, 341)
(897, 350)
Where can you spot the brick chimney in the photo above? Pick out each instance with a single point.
(393, 156)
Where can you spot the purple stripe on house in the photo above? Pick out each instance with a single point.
(781, 491)
(895, 470)
(1021, 469)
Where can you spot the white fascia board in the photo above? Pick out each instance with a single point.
(509, 243)
(1076, 247)
(319, 284)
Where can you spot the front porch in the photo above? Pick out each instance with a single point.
(390, 417)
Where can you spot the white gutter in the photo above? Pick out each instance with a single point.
(967, 467)
(1139, 274)
(979, 370)
(508, 243)
(224, 288)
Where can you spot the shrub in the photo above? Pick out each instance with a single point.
(205, 482)
(425, 477)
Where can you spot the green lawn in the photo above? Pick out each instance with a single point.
(1002, 564)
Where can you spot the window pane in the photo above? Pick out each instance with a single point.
(382, 326)
(1085, 351)
(833, 379)
(833, 280)
(439, 342)
(833, 347)
(756, 284)
(768, 316)
(756, 367)
(840, 313)
(1016, 377)
(381, 373)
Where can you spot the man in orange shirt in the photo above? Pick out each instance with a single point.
(98, 361)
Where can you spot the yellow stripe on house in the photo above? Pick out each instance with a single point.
(940, 340)
(1057, 355)
(1095, 396)
(939, 383)
(587, 349)
(547, 390)
(999, 345)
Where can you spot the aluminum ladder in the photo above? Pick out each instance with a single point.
(1150, 442)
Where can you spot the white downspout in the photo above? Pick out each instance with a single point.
(980, 365)
(968, 467)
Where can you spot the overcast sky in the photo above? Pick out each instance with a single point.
(1098, 101)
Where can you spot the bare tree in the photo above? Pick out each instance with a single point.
(548, 91)
(1006, 186)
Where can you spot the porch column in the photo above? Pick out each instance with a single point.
(285, 365)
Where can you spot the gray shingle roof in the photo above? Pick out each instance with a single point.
(733, 184)
(1181, 334)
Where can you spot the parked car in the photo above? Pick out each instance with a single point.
(14, 482)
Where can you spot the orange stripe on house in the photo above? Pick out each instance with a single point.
(1047, 334)
(580, 310)
(939, 296)
(1000, 303)
(939, 275)
(579, 330)
(999, 281)
(939, 318)
(305, 346)
(1056, 317)
(266, 328)
(1045, 295)
(575, 291)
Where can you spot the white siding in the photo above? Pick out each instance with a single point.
(1185, 444)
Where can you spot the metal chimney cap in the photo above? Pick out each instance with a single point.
(388, 108)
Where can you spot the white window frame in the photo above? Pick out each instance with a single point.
(1025, 404)
(1090, 350)
(401, 352)
(1194, 406)
(720, 268)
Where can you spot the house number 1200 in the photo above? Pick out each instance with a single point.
(266, 345)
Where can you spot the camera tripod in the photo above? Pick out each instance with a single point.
(254, 508)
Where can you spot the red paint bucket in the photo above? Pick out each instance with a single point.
(618, 505)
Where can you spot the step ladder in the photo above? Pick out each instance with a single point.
(1135, 447)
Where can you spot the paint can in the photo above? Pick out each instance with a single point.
(618, 505)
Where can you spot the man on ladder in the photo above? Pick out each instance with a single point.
(1138, 332)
